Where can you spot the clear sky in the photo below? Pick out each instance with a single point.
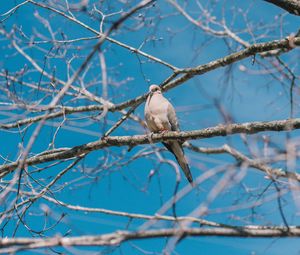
(245, 91)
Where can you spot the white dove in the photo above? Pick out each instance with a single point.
(160, 116)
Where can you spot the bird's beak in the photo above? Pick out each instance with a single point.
(150, 96)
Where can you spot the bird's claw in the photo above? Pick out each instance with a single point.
(163, 131)
(150, 135)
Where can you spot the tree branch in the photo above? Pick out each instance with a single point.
(118, 237)
(287, 43)
(220, 130)
(99, 34)
(246, 160)
(188, 73)
(292, 6)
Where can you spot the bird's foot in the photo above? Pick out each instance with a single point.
(150, 135)
(163, 131)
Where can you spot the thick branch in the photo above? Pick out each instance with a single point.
(119, 237)
(220, 130)
(292, 6)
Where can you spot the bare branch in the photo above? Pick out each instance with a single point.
(188, 74)
(292, 6)
(116, 238)
(241, 157)
(99, 34)
(232, 58)
(220, 130)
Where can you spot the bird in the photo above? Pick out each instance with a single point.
(160, 117)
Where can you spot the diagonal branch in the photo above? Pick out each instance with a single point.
(220, 130)
(292, 6)
(188, 73)
(287, 43)
(99, 34)
(243, 158)
(74, 77)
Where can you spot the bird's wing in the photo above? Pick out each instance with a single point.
(148, 115)
(171, 114)
(156, 113)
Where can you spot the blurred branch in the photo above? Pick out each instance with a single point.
(10, 245)
(133, 215)
(99, 34)
(50, 72)
(188, 73)
(224, 30)
(292, 6)
(131, 141)
(161, 216)
(40, 194)
(287, 43)
(21, 163)
(239, 157)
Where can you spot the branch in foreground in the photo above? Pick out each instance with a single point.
(119, 237)
(292, 6)
(131, 141)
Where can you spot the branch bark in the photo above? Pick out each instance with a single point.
(292, 6)
(188, 73)
(131, 141)
(119, 237)
(285, 44)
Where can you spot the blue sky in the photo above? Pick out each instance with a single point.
(246, 96)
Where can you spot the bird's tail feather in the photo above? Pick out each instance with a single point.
(178, 152)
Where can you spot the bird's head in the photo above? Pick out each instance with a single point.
(154, 89)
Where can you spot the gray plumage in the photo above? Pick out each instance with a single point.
(161, 116)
